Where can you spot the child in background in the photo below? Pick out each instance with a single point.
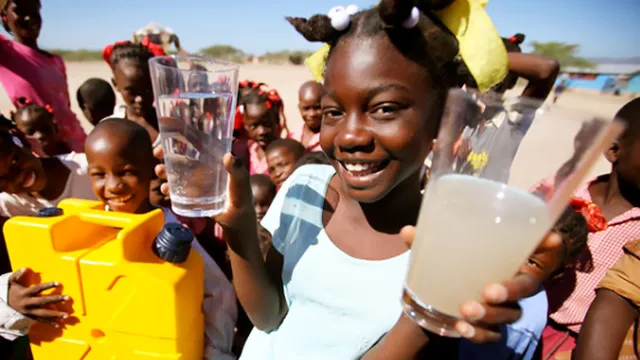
(613, 201)
(96, 99)
(313, 157)
(282, 156)
(240, 146)
(506, 128)
(309, 97)
(121, 168)
(36, 123)
(132, 79)
(387, 96)
(29, 183)
(264, 122)
(263, 192)
(28, 71)
(610, 330)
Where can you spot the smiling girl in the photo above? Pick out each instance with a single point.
(26, 70)
(331, 283)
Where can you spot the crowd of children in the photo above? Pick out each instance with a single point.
(355, 166)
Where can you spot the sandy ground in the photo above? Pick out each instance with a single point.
(547, 145)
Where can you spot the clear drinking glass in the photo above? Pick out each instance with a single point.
(476, 225)
(195, 101)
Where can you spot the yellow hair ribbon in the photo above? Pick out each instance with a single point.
(481, 46)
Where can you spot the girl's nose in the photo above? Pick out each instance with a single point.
(138, 99)
(354, 136)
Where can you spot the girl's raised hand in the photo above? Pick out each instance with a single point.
(500, 306)
(28, 301)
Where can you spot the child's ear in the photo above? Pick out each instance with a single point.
(614, 152)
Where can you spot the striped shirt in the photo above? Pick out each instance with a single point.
(605, 248)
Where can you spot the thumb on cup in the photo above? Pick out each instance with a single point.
(239, 182)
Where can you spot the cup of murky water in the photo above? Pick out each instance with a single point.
(503, 171)
(195, 101)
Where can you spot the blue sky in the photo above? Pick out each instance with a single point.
(602, 28)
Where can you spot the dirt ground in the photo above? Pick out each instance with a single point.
(547, 145)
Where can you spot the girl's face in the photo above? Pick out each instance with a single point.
(20, 171)
(260, 124)
(380, 116)
(38, 127)
(133, 82)
(22, 18)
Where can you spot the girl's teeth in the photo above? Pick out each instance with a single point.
(358, 166)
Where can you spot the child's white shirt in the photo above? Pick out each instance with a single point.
(78, 186)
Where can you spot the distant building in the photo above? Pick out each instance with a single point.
(621, 78)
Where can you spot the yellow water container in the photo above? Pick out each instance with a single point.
(126, 303)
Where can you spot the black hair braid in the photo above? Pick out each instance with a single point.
(130, 51)
(315, 29)
(429, 44)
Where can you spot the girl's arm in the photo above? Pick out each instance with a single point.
(258, 282)
(540, 71)
(404, 341)
(605, 327)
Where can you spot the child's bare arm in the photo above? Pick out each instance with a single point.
(605, 327)
(540, 71)
(257, 282)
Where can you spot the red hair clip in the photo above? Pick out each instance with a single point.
(591, 212)
(108, 50)
(155, 49)
(513, 39)
(49, 109)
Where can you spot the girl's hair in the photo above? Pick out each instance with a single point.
(574, 230)
(248, 85)
(141, 53)
(23, 104)
(429, 44)
(513, 43)
(273, 101)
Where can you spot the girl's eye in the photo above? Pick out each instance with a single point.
(97, 175)
(331, 113)
(385, 111)
(534, 263)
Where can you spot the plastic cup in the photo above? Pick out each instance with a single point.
(195, 101)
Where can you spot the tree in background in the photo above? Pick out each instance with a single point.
(567, 54)
(225, 52)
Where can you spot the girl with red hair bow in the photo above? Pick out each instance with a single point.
(28, 71)
(132, 79)
(36, 122)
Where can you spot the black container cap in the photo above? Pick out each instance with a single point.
(173, 243)
(50, 212)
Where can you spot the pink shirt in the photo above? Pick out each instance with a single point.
(605, 248)
(257, 166)
(314, 144)
(25, 72)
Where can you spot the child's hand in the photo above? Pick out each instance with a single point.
(27, 300)
(481, 321)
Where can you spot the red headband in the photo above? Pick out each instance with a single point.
(154, 49)
(23, 101)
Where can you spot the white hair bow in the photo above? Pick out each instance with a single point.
(341, 16)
